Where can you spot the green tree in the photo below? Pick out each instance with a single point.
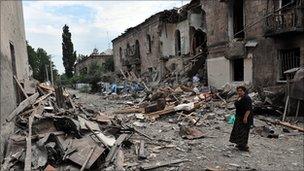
(68, 53)
(33, 60)
(38, 60)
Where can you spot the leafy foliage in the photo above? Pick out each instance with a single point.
(38, 60)
(68, 53)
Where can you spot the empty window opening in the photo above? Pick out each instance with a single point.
(128, 50)
(177, 43)
(238, 19)
(137, 49)
(198, 41)
(238, 69)
(120, 53)
(288, 59)
(149, 43)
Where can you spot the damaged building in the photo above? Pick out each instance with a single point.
(250, 41)
(253, 40)
(14, 62)
(83, 65)
(169, 41)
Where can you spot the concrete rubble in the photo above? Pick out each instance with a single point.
(141, 126)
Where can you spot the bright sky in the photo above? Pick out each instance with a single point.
(93, 24)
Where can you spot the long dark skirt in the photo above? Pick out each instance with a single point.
(240, 132)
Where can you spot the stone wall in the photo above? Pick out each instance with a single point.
(12, 35)
(86, 63)
(149, 59)
(262, 68)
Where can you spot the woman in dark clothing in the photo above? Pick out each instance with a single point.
(243, 120)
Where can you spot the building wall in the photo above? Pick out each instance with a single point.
(262, 67)
(100, 60)
(167, 48)
(148, 59)
(12, 31)
(167, 38)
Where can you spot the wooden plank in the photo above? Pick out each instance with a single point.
(127, 111)
(142, 152)
(24, 104)
(42, 98)
(298, 107)
(72, 103)
(88, 158)
(20, 138)
(149, 166)
(285, 109)
(139, 132)
(28, 153)
(119, 162)
(125, 77)
(20, 86)
(291, 126)
(114, 149)
(101, 140)
(59, 97)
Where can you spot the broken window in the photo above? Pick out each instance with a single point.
(84, 71)
(288, 59)
(177, 43)
(149, 43)
(238, 69)
(120, 53)
(238, 19)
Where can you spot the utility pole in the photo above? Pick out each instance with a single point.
(46, 72)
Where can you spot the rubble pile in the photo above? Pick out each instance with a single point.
(54, 132)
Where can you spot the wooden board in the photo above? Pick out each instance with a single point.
(24, 104)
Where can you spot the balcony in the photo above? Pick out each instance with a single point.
(289, 20)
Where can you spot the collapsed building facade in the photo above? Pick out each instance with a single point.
(83, 65)
(253, 40)
(243, 40)
(14, 62)
(166, 42)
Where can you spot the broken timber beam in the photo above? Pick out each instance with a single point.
(140, 133)
(142, 152)
(59, 97)
(28, 153)
(110, 157)
(291, 126)
(283, 124)
(24, 104)
(150, 166)
(42, 98)
(20, 86)
(119, 162)
(88, 158)
(101, 140)
(181, 107)
(127, 111)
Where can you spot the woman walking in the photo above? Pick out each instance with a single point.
(243, 120)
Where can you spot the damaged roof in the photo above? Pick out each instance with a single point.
(170, 16)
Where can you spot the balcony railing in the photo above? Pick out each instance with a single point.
(288, 20)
